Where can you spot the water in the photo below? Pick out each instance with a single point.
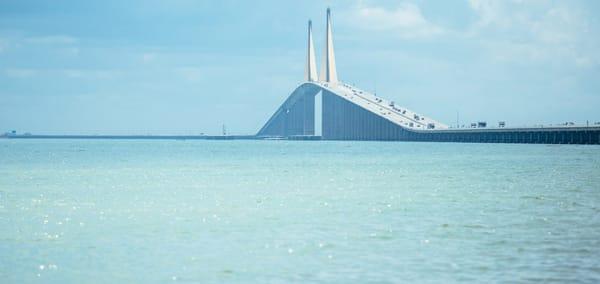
(103, 211)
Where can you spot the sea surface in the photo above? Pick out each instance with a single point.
(127, 211)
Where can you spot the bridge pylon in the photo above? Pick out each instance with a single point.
(311, 61)
(329, 71)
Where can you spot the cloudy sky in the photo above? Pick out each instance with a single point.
(186, 67)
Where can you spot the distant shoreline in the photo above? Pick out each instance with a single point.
(158, 137)
(150, 137)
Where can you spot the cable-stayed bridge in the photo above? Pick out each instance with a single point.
(349, 113)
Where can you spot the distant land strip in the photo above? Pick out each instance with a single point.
(149, 137)
(159, 137)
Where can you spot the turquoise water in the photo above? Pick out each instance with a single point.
(102, 211)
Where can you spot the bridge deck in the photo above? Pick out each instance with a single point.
(385, 108)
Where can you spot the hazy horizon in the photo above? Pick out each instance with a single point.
(187, 67)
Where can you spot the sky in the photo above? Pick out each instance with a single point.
(188, 67)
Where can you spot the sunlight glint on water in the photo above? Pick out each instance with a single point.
(279, 211)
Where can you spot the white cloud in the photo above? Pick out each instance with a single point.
(148, 57)
(490, 12)
(406, 20)
(558, 26)
(516, 30)
(94, 74)
(190, 73)
(20, 72)
(70, 51)
(52, 39)
(66, 45)
(3, 45)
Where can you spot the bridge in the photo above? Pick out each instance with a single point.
(349, 113)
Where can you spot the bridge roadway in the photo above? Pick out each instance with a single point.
(387, 109)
